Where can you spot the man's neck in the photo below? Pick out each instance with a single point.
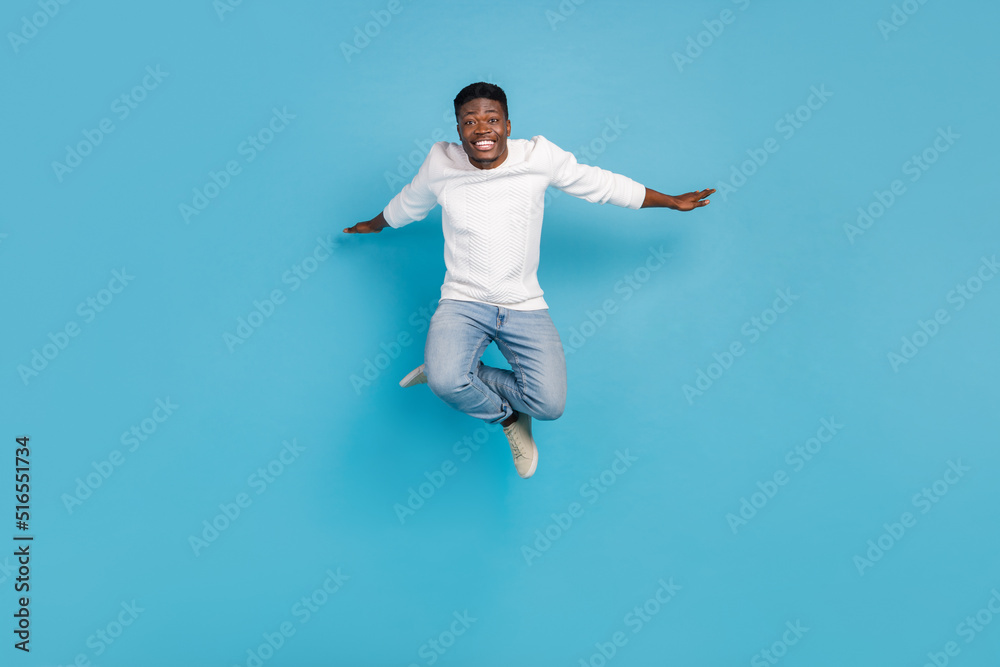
(496, 163)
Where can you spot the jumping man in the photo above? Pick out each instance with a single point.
(492, 193)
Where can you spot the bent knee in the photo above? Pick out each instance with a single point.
(548, 410)
(445, 382)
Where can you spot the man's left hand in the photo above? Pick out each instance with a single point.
(692, 200)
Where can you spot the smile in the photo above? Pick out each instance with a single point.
(484, 144)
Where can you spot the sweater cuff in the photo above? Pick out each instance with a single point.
(638, 195)
(387, 213)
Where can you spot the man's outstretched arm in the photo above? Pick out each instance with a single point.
(684, 202)
(595, 184)
(410, 204)
(373, 226)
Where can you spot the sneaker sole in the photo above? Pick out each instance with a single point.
(411, 378)
(534, 465)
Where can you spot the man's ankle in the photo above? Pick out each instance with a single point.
(510, 420)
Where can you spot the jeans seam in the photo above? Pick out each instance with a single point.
(475, 376)
(517, 362)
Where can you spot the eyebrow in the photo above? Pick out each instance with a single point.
(494, 111)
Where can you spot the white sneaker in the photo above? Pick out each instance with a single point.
(522, 445)
(414, 377)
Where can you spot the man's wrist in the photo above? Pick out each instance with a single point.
(656, 199)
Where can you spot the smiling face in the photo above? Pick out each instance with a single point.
(483, 129)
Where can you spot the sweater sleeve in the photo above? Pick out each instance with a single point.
(592, 183)
(416, 199)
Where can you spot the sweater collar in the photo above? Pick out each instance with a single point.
(460, 164)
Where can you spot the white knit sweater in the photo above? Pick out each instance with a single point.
(492, 218)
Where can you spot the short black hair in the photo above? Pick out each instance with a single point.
(481, 89)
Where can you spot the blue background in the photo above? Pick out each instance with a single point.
(568, 71)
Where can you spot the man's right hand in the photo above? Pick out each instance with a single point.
(373, 226)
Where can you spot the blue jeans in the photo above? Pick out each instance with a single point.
(458, 335)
